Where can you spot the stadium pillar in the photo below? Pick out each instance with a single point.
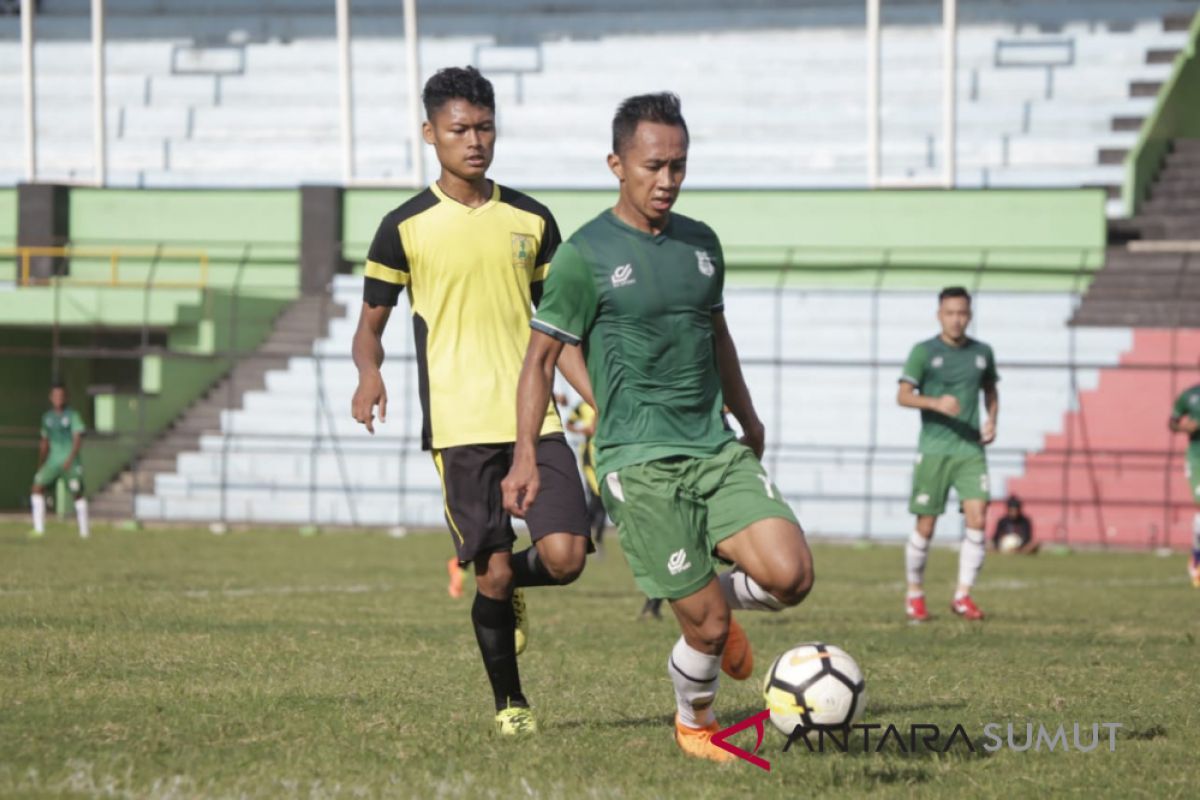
(412, 66)
(43, 220)
(345, 82)
(28, 105)
(99, 123)
(949, 89)
(320, 237)
(873, 161)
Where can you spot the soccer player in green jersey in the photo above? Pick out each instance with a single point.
(640, 288)
(58, 457)
(1185, 418)
(943, 377)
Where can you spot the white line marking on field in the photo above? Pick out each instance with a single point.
(268, 591)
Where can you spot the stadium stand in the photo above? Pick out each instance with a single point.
(223, 93)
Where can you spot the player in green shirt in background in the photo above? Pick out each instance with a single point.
(943, 377)
(59, 457)
(640, 289)
(1185, 418)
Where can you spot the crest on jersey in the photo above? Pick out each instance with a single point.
(980, 362)
(1194, 400)
(523, 251)
(704, 263)
(937, 362)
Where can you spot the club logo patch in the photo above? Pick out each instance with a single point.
(523, 251)
(937, 362)
(704, 263)
(980, 362)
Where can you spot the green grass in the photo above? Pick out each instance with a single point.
(181, 664)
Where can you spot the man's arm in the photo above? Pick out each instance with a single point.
(991, 401)
(43, 451)
(907, 396)
(367, 351)
(520, 487)
(76, 443)
(574, 369)
(733, 386)
(1184, 424)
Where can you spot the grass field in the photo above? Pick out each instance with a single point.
(181, 664)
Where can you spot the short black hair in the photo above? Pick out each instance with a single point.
(661, 107)
(954, 291)
(457, 83)
(58, 383)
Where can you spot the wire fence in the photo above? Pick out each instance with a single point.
(232, 403)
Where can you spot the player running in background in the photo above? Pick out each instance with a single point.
(943, 377)
(59, 457)
(640, 288)
(1185, 418)
(473, 256)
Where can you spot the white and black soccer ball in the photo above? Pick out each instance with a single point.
(815, 686)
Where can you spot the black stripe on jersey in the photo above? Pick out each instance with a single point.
(421, 342)
(387, 250)
(551, 238)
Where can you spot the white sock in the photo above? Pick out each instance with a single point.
(916, 553)
(970, 560)
(81, 514)
(695, 677)
(38, 502)
(743, 592)
(1196, 532)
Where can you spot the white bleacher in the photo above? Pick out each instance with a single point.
(293, 454)
(774, 97)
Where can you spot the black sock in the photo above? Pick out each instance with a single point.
(528, 569)
(494, 630)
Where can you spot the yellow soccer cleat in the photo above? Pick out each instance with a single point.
(738, 659)
(515, 722)
(697, 742)
(521, 613)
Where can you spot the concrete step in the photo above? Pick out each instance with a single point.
(1131, 123)
(1144, 88)
(1161, 55)
(1177, 21)
(1112, 155)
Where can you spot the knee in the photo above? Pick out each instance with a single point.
(565, 571)
(793, 591)
(496, 582)
(565, 562)
(710, 635)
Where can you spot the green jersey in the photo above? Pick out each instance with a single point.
(1189, 403)
(59, 430)
(936, 369)
(641, 305)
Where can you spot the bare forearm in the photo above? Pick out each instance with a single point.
(76, 444)
(733, 384)
(574, 369)
(991, 399)
(911, 399)
(367, 351)
(533, 396)
(43, 451)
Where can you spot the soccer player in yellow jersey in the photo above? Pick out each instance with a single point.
(472, 255)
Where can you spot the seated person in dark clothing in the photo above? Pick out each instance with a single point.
(1014, 531)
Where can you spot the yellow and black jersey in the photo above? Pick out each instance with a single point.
(472, 275)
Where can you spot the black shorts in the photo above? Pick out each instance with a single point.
(474, 505)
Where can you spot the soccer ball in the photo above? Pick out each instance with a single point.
(814, 686)
(1010, 543)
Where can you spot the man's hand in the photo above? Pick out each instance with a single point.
(370, 393)
(947, 404)
(754, 436)
(1187, 424)
(988, 434)
(520, 487)
(67, 463)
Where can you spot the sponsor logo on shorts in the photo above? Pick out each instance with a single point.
(922, 499)
(678, 562)
(704, 263)
(623, 276)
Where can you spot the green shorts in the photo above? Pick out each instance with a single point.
(934, 475)
(52, 470)
(1192, 469)
(672, 513)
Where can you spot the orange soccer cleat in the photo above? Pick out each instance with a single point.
(455, 587)
(697, 742)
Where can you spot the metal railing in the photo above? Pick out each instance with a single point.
(796, 271)
(114, 256)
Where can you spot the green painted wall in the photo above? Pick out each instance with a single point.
(8, 217)
(1176, 115)
(1035, 239)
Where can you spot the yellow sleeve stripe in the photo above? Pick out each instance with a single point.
(386, 274)
(540, 273)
